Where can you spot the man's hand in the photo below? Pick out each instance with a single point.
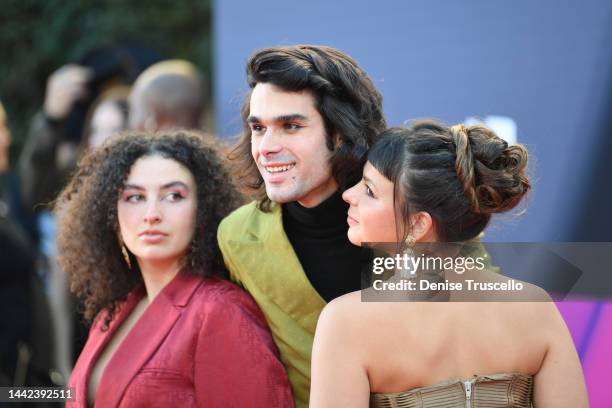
(64, 87)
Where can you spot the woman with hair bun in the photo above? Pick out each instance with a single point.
(137, 236)
(434, 185)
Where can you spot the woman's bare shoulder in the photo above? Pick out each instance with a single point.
(341, 308)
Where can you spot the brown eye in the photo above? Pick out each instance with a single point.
(174, 196)
(292, 126)
(256, 128)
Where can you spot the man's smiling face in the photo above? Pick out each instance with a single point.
(288, 144)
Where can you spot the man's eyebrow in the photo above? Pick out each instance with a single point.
(282, 118)
(290, 117)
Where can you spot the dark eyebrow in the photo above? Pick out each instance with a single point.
(290, 118)
(164, 187)
(175, 184)
(283, 118)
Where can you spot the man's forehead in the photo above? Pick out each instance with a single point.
(269, 102)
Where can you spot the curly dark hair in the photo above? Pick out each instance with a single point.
(344, 95)
(88, 237)
(459, 175)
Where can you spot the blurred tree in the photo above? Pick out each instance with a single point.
(39, 36)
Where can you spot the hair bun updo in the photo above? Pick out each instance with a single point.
(491, 173)
(459, 175)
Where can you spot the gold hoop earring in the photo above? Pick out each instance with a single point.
(126, 256)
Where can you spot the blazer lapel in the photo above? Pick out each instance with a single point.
(96, 342)
(144, 338)
(276, 269)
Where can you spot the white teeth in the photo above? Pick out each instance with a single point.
(279, 169)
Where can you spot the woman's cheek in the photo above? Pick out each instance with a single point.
(128, 216)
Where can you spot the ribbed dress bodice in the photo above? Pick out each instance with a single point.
(491, 391)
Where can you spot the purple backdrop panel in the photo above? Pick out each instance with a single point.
(590, 324)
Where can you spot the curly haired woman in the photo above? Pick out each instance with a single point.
(137, 235)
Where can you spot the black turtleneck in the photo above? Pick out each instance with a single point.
(318, 236)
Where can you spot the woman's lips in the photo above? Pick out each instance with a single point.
(152, 237)
(351, 221)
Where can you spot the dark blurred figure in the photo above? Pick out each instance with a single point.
(169, 94)
(25, 350)
(48, 156)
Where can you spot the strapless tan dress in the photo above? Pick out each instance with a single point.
(482, 391)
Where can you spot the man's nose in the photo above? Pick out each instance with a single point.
(270, 142)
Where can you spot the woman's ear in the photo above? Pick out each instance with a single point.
(423, 227)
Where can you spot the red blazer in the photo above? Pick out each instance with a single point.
(201, 342)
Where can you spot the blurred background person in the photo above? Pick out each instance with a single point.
(108, 116)
(49, 155)
(169, 94)
(25, 327)
(51, 148)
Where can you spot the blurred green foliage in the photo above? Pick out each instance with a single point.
(39, 36)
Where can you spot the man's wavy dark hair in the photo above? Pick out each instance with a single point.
(344, 95)
(88, 243)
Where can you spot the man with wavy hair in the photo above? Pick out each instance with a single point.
(309, 119)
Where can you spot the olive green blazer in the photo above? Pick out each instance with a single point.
(260, 258)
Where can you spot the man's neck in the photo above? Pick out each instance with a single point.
(318, 195)
(325, 220)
